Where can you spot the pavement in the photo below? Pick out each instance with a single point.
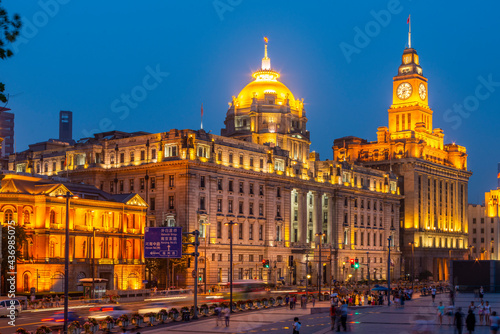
(373, 319)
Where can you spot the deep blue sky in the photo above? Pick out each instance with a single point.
(88, 53)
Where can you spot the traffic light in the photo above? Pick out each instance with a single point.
(263, 263)
(356, 263)
(352, 263)
(200, 278)
(267, 264)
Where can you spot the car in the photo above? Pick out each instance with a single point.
(10, 305)
(153, 307)
(57, 319)
(114, 311)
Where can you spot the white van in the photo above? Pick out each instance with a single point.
(6, 303)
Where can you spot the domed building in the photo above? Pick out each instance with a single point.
(266, 112)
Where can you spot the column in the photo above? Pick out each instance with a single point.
(331, 230)
(317, 210)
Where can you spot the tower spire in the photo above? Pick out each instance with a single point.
(266, 61)
(409, 31)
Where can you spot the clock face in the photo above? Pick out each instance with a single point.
(422, 91)
(404, 91)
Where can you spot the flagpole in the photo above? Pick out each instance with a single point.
(202, 116)
(409, 32)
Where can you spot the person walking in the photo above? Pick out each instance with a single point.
(227, 314)
(459, 320)
(480, 311)
(440, 313)
(218, 315)
(487, 312)
(296, 326)
(313, 300)
(343, 317)
(333, 315)
(450, 312)
(433, 294)
(494, 322)
(470, 322)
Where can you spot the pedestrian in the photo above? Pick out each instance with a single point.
(450, 311)
(333, 315)
(296, 325)
(227, 313)
(494, 322)
(218, 315)
(343, 317)
(57, 299)
(440, 313)
(470, 322)
(480, 311)
(459, 320)
(472, 307)
(487, 312)
(433, 294)
(481, 293)
(313, 300)
(287, 300)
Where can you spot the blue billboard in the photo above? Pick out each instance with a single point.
(163, 242)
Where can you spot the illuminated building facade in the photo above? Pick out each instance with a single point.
(33, 203)
(259, 173)
(433, 176)
(484, 226)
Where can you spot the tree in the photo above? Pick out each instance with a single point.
(19, 240)
(10, 28)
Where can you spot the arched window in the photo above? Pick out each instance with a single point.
(26, 282)
(52, 249)
(8, 215)
(52, 217)
(26, 217)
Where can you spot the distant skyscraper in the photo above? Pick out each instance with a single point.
(6, 131)
(65, 125)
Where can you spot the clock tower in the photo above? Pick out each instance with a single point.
(410, 108)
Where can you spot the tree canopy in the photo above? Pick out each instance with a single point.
(9, 30)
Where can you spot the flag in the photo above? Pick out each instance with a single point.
(202, 110)
(408, 20)
(266, 40)
(65, 161)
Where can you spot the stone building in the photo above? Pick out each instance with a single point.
(433, 176)
(33, 203)
(261, 174)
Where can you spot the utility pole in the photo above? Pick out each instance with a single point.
(307, 274)
(368, 268)
(389, 271)
(196, 243)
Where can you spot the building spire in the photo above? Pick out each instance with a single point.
(266, 61)
(409, 31)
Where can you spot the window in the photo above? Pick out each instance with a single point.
(132, 157)
(143, 155)
(230, 187)
(368, 239)
(213, 256)
(153, 153)
(63, 166)
(170, 202)
(219, 205)
(170, 151)
(250, 232)
(355, 202)
(54, 166)
(251, 162)
(219, 156)
(261, 230)
(171, 181)
(278, 192)
(230, 206)
(141, 184)
(473, 220)
(279, 165)
(111, 186)
(251, 189)
(361, 241)
(261, 190)
(278, 210)
(482, 231)
(261, 209)
(240, 208)
(241, 160)
(240, 258)
(355, 238)
(241, 187)
(202, 203)
(152, 204)
(219, 234)
(122, 158)
(230, 158)
(240, 232)
(219, 184)
(474, 231)
(120, 186)
(250, 258)
(355, 219)
(250, 208)
(345, 202)
(153, 183)
(362, 204)
(131, 184)
(261, 163)
(482, 220)
(203, 151)
(202, 181)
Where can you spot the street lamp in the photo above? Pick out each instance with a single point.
(412, 264)
(389, 271)
(207, 235)
(320, 235)
(94, 230)
(307, 274)
(231, 223)
(67, 196)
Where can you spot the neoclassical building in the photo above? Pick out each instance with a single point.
(34, 204)
(259, 173)
(432, 176)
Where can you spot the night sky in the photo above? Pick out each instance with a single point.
(88, 56)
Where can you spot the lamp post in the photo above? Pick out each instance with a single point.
(207, 235)
(413, 264)
(67, 196)
(368, 268)
(93, 261)
(231, 223)
(389, 271)
(320, 270)
(307, 274)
